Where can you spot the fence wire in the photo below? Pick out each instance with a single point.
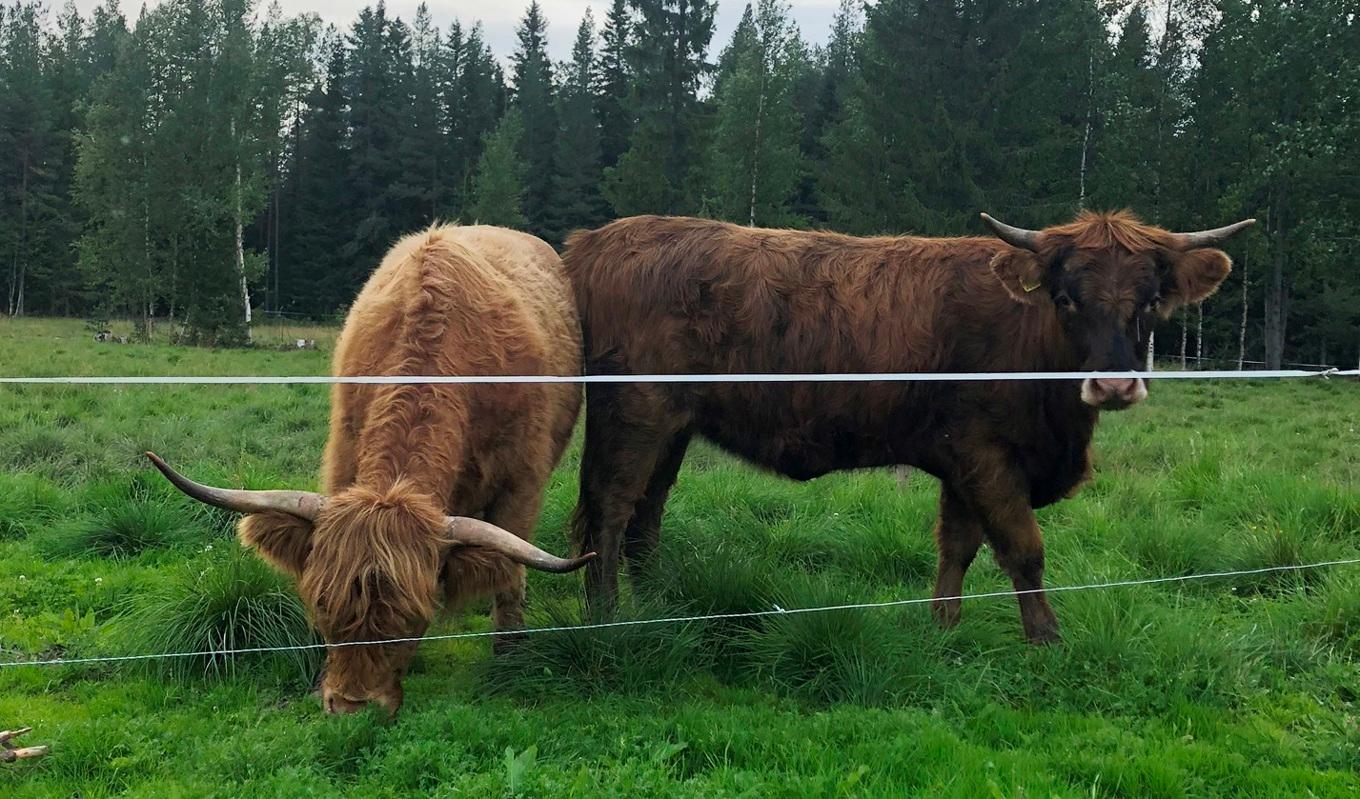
(774, 611)
(845, 377)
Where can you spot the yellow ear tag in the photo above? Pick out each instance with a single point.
(1034, 287)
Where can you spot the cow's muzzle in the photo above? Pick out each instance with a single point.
(1113, 393)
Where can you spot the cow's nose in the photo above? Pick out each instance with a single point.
(1113, 393)
(337, 705)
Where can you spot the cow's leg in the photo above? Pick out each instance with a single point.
(958, 534)
(627, 429)
(644, 529)
(1000, 497)
(515, 510)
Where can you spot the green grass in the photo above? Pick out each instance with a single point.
(1229, 687)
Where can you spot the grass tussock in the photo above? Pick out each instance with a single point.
(623, 658)
(28, 503)
(123, 519)
(225, 602)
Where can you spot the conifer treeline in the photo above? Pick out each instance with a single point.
(211, 156)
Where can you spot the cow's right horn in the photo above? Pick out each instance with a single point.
(477, 533)
(1210, 238)
(1014, 236)
(303, 504)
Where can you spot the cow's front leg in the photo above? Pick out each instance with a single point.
(517, 510)
(1000, 498)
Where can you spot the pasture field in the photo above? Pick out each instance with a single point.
(1244, 686)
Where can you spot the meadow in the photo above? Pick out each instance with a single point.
(1245, 686)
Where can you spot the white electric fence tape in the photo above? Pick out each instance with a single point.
(848, 377)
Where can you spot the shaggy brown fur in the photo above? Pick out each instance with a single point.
(450, 301)
(676, 295)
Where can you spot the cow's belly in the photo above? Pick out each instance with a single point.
(804, 432)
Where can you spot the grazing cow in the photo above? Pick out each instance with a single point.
(430, 489)
(675, 295)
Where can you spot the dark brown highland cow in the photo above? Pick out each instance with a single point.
(430, 490)
(674, 295)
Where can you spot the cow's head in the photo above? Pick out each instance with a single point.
(368, 566)
(1109, 278)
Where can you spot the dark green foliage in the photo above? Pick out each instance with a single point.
(668, 62)
(533, 101)
(576, 199)
(498, 189)
(120, 149)
(757, 160)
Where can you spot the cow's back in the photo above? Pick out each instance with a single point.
(456, 301)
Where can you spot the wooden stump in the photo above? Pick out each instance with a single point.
(9, 753)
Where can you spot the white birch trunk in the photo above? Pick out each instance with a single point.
(240, 237)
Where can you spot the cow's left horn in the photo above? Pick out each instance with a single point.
(1210, 238)
(303, 504)
(477, 533)
(1014, 236)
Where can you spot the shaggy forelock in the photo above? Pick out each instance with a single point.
(374, 565)
(1103, 230)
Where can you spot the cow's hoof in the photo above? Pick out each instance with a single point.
(1043, 636)
(947, 613)
(503, 645)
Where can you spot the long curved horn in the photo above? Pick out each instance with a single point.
(303, 504)
(1210, 238)
(477, 533)
(1014, 236)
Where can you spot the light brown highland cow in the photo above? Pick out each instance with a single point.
(432, 491)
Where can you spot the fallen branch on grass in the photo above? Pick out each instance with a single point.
(10, 753)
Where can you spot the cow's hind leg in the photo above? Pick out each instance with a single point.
(628, 428)
(643, 534)
(958, 535)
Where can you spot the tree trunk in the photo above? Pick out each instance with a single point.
(755, 147)
(1199, 333)
(16, 289)
(147, 296)
(1185, 330)
(1086, 137)
(1242, 328)
(240, 238)
(1276, 294)
(1152, 342)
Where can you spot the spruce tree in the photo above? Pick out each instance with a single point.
(663, 165)
(473, 104)
(424, 144)
(29, 145)
(314, 278)
(576, 186)
(612, 101)
(533, 87)
(498, 188)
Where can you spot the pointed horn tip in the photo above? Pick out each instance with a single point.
(576, 563)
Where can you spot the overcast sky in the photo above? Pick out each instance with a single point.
(499, 17)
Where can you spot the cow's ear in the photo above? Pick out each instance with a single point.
(283, 540)
(1193, 276)
(1020, 272)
